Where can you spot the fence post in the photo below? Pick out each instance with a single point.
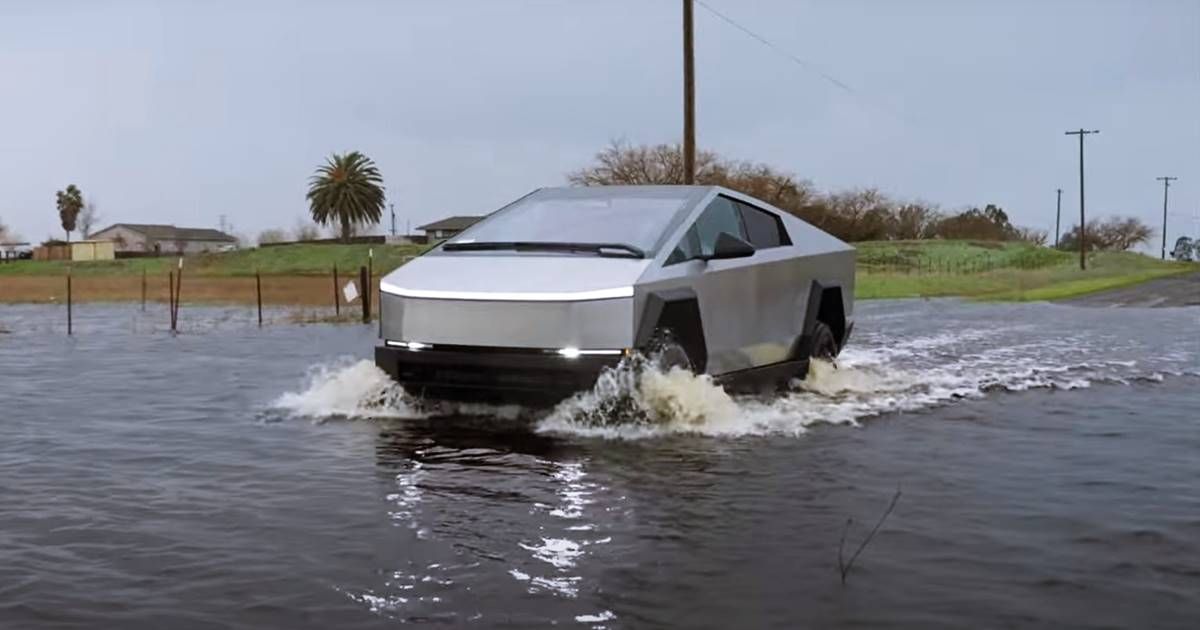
(69, 315)
(258, 289)
(366, 294)
(143, 288)
(171, 298)
(178, 292)
(337, 300)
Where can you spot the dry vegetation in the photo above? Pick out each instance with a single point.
(853, 215)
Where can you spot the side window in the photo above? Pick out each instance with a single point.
(721, 215)
(764, 229)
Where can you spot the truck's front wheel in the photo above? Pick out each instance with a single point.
(824, 345)
(666, 351)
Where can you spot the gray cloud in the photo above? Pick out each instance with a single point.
(181, 112)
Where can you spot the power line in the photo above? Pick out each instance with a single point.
(765, 42)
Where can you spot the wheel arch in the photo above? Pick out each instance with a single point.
(826, 304)
(678, 310)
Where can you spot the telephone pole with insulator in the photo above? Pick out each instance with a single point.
(1166, 186)
(689, 98)
(1082, 218)
(1058, 218)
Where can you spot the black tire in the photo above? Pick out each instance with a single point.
(665, 350)
(824, 345)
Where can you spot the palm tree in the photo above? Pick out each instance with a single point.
(347, 190)
(69, 203)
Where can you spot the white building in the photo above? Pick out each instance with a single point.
(447, 228)
(164, 239)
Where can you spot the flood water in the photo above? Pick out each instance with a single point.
(1047, 459)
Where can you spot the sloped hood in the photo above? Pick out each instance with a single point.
(521, 277)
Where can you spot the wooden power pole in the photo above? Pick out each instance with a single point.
(1166, 185)
(1058, 219)
(689, 98)
(1082, 218)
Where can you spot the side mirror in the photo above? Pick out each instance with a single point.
(729, 246)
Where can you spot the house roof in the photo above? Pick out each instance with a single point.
(171, 233)
(452, 223)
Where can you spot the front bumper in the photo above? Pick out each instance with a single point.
(493, 375)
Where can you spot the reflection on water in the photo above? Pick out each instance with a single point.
(232, 476)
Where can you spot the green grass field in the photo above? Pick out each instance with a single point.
(996, 271)
(281, 260)
(893, 269)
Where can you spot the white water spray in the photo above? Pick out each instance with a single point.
(881, 373)
(351, 389)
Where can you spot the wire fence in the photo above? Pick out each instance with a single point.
(339, 295)
(953, 265)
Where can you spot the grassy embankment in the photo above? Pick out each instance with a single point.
(301, 274)
(292, 260)
(291, 274)
(996, 271)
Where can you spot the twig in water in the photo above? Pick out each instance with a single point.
(845, 567)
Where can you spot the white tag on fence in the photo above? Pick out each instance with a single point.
(350, 291)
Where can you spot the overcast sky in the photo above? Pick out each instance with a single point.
(179, 112)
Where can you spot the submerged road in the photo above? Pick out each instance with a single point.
(237, 477)
(1182, 290)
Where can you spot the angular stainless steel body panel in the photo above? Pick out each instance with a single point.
(480, 273)
(753, 309)
(585, 324)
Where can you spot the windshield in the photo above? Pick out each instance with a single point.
(636, 221)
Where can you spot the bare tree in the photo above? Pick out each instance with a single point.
(1125, 233)
(88, 218)
(915, 220)
(1115, 233)
(1031, 235)
(851, 215)
(306, 230)
(624, 164)
(861, 215)
(273, 235)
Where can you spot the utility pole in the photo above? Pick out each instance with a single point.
(392, 207)
(1166, 185)
(1082, 219)
(1058, 219)
(689, 98)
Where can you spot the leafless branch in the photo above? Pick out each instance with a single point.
(844, 567)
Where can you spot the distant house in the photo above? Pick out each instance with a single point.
(164, 239)
(448, 228)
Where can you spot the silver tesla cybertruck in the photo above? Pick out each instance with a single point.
(530, 304)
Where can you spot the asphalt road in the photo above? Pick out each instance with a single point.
(1181, 290)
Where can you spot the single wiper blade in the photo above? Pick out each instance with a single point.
(601, 249)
